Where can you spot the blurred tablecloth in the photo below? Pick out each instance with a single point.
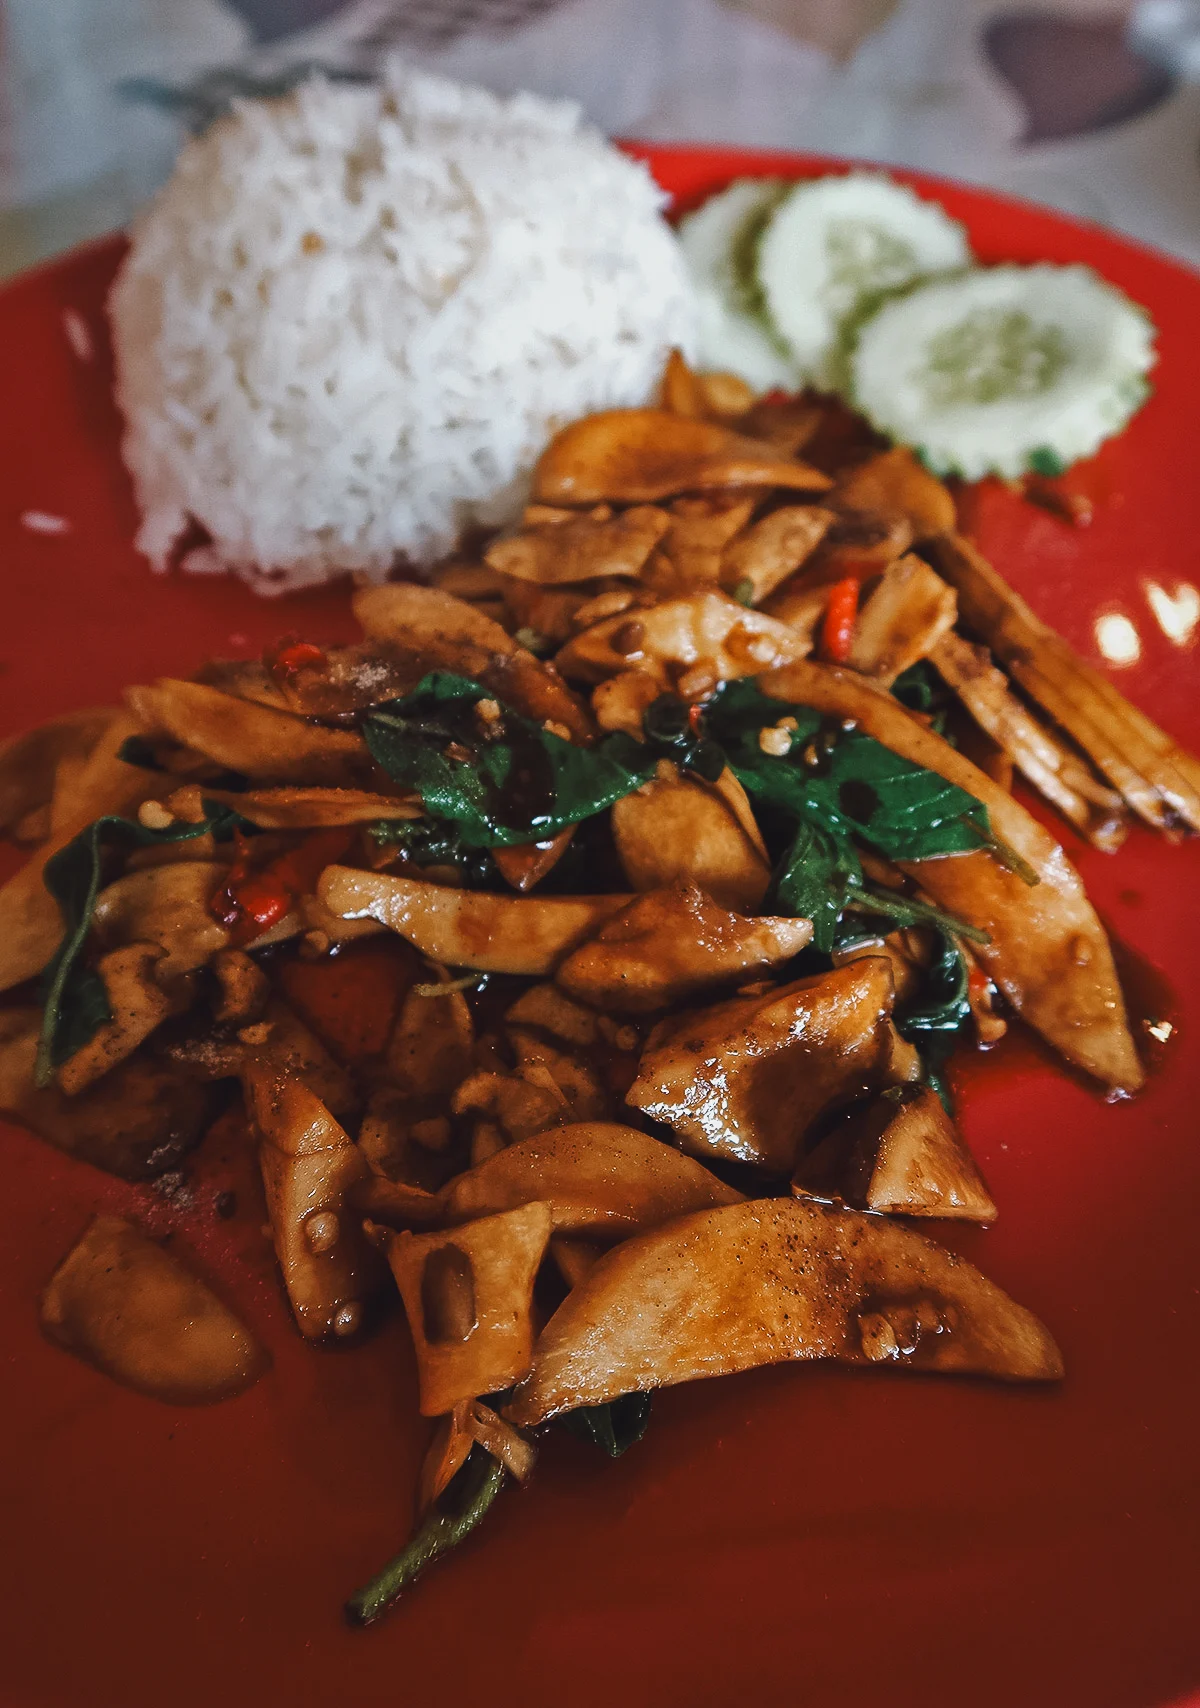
(1079, 103)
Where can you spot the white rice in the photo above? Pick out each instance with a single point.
(354, 316)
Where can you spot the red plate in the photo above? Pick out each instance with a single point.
(793, 1535)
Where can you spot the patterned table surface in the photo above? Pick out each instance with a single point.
(1084, 104)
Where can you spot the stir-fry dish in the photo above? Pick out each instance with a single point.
(680, 820)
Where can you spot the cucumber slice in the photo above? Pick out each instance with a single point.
(718, 244)
(832, 246)
(1005, 369)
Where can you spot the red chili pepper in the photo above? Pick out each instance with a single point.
(978, 983)
(289, 656)
(841, 614)
(695, 713)
(250, 903)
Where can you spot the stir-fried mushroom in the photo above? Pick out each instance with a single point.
(718, 396)
(132, 1309)
(429, 1052)
(139, 1121)
(747, 1078)
(1047, 951)
(440, 632)
(300, 809)
(762, 558)
(683, 830)
(29, 763)
(693, 551)
(468, 1295)
(582, 549)
(637, 456)
(606, 1180)
(524, 866)
(168, 906)
(137, 1002)
(1160, 782)
(457, 1127)
(906, 616)
(763, 1283)
(1065, 779)
(461, 928)
(707, 632)
(256, 740)
(309, 1163)
(895, 483)
(901, 1154)
(673, 944)
(30, 923)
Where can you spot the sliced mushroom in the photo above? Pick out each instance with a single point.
(621, 702)
(1060, 775)
(700, 529)
(544, 1064)
(429, 1052)
(524, 866)
(446, 1454)
(305, 809)
(762, 559)
(902, 1155)
(788, 423)
(910, 610)
(29, 763)
(441, 632)
(637, 456)
(682, 392)
(468, 1295)
(169, 906)
(549, 1009)
(1048, 952)
(30, 922)
(1159, 779)
(671, 944)
(662, 641)
(895, 483)
(514, 1107)
(137, 1004)
(582, 549)
(498, 1437)
(138, 1122)
(464, 928)
(598, 1178)
(309, 1163)
(257, 740)
(859, 543)
(747, 1078)
(575, 1258)
(682, 830)
(765, 1283)
(133, 1310)
(245, 988)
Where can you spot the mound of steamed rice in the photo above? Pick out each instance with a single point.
(352, 319)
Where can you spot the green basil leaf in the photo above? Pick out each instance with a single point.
(836, 786)
(919, 687)
(901, 809)
(522, 785)
(817, 877)
(613, 1427)
(74, 1004)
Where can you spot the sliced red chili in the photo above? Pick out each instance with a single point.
(289, 656)
(250, 902)
(841, 615)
